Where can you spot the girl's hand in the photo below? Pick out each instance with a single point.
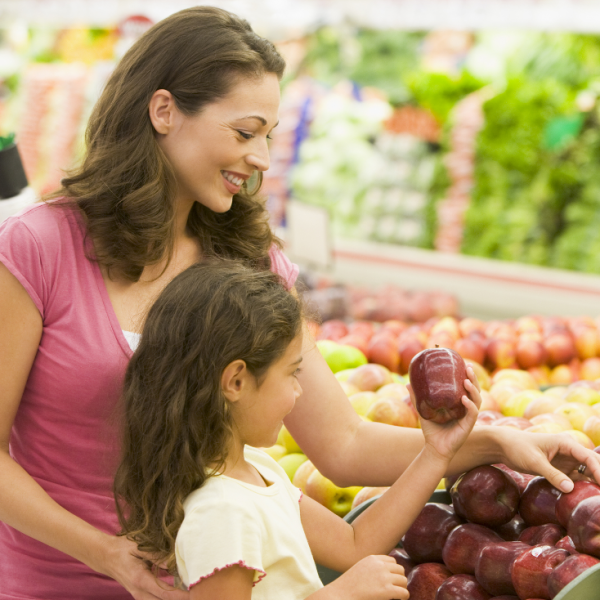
(446, 439)
(552, 456)
(372, 578)
(128, 566)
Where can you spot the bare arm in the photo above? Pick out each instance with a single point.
(24, 505)
(350, 451)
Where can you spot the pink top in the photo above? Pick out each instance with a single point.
(65, 433)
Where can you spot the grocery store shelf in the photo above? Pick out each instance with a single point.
(485, 288)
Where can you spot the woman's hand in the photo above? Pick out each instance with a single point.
(447, 438)
(553, 456)
(129, 566)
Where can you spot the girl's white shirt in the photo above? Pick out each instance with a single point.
(230, 522)
(133, 339)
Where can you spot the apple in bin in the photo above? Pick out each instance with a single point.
(425, 579)
(538, 502)
(465, 587)
(426, 537)
(566, 503)
(370, 377)
(325, 492)
(437, 377)
(485, 495)
(531, 569)
(392, 411)
(521, 479)
(567, 544)
(512, 530)
(584, 526)
(568, 570)
(464, 545)
(400, 555)
(548, 534)
(493, 567)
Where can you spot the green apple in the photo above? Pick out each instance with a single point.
(324, 491)
(275, 452)
(286, 440)
(342, 376)
(341, 357)
(290, 463)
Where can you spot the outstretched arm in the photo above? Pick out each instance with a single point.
(350, 451)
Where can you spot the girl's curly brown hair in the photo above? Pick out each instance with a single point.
(125, 185)
(176, 418)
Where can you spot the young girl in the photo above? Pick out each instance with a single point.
(213, 378)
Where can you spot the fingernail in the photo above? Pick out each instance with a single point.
(566, 485)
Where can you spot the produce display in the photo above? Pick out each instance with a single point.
(500, 540)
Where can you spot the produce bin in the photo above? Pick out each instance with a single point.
(584, 587)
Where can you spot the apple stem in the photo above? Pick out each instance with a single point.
(437, 345)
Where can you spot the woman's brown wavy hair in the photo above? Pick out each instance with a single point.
(176, 418)
(125, 185)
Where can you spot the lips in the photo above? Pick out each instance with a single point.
(233, 181)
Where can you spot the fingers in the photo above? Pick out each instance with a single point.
(412, 395)
(472, 411)
(473, 391)
(471, 375)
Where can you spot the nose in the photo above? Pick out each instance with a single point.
(258, 157)
(298, 389)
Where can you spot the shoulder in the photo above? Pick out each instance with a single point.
(283, 266)
(271, 469)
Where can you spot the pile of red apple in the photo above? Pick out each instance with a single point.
(506, 536)
(554, 350)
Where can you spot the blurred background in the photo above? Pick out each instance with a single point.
(442, 145)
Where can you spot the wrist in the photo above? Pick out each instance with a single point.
(489, 443)
(101, 552)
(434, 459)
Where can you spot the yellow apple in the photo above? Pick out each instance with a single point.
(348, 388)
(488, 402)
(556, 390)
(582, 438)
(290, 463)
(366, 494)
(515, 405)
(342, 376)
(552, 418)
(576, 412)
(502, 391)
(542, 404)
(275, 452)
(303, 472)
(393, 389)
(582, 394)
(591, 428)
(286, 440)
(483, 377)
(324, 491)
(362, 402)
(520, 378)
(393, 411)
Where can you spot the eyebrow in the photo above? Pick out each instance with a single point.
(297, 362)
(261, 119)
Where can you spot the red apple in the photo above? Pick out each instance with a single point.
(392, 411)
(521, 479)
(530, 353)
(469, 325)
(395, 326)
(426, 537)
(560, 348)
(501, 353)
(464, 545)
(403, 559)
(568, 570)
(485, 495)
(538, 502)
(590, 369)
(425, 579)
(566, 503)
(566, 543)
(365, 329)
(334, 329)
(512, 530)
(546, 535)
(493, 568)
(437, 377)
(383, 350)
(584, 526)
(487, 417)
(461, 587)
(408, 348)
(531, 569)
(356, 341)
(470, 348)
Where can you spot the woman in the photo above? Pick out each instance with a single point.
(179, 130)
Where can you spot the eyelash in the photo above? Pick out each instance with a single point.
(297, 372)
(249, 136)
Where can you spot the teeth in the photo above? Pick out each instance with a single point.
(232, 179)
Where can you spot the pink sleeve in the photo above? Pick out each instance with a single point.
(282, 265)
(20, 254)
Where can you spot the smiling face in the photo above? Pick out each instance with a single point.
(215, 151)
(259, 414)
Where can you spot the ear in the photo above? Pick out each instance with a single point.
(163, 111)
(235, 380)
